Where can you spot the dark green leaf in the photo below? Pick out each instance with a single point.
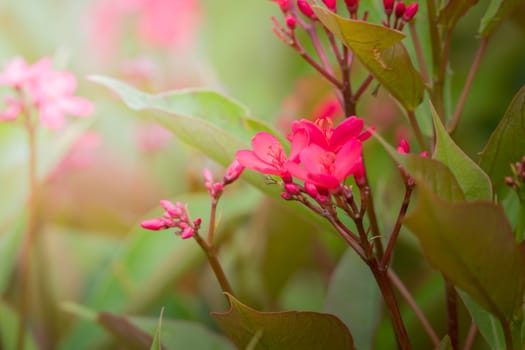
(497, 11)
(473, 181)
(506, 144)
(453, 11)
(381, 51)
(282, 330)
(472, 244)
(430, 172)
(488, 325)
(353, 296)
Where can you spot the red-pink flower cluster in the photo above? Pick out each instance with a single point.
(175, 215)
(40, 87)
(320, 155)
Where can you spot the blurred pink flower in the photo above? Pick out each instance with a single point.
(152, 137)
(157, 23)
(39, 86)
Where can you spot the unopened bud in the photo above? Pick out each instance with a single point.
(197, 222)
(292, 188)
(173, 210)
(291, 22)
(509, 181)
(311, 189)
(233, 172)
(187, 232)
(400, 9)
(287, 178)
(283, 4)
(153, 224)
(403, 147)
(410, 11)
(331, 4)
(286, 196)
(306, 9)
(389, 6)
(352, 5)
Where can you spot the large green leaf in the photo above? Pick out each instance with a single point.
(150, 262)
(473, 181)
(453, 11)
(496, 12)
(472, 244)
(282, 330)
(506, 144)
(381, 51)
(430, 172)
(488, 325)
(354, 297)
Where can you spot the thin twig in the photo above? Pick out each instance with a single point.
(413, 305)
(452, 314)
(468, 84)
(419, 52)
(471, 336)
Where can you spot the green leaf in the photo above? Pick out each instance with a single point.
(9, 328)
(472, 244)
(453, 11)
(353, 296)
(473, 181)
(488, 325)
(137, 331)
(381, 52)
(506, 144)
(204, 119)
(496, 12)
(430, 172)
(444, 344)
(157, 344)
(282, 330)
(150, 262)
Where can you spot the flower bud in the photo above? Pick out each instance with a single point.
(197, 222)
(292, 188)
(286, 196)
(410, 11)
(283, 4)
(306, 9)
(403, 147)
(154, 224)
(291, 22)
(171, 209)
(400, 9)
(331, 4)
(187, 232)
(352, 5)
(233, 172)
(389, 6)
(311, 189)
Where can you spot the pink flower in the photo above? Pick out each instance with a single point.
(322, 134)
(38, 86)
(325, 168)
(267, 156)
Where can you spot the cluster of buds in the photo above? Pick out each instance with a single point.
(402, 13)
(175, 215)
(517, 180)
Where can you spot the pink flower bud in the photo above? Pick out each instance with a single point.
(286, 196)
(291, 22)
(400, 9)
(403, 147)
(154, 224)
(424, 154)
(410, 11)
(352, 5)
(187, 232)
(218, 188)
(389, 6)
(283, 4)
(292, 188)
(331, 4)
(197, 222)
(233, 172)
(306, 9)
(172, 209)
(311, 189)
(287, 178)
(208, 176)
